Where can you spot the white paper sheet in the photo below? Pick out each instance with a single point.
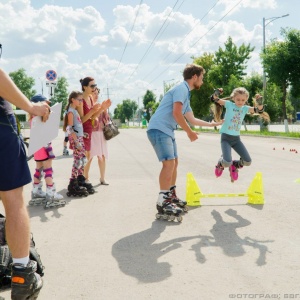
(41, 133)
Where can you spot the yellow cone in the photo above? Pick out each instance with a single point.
(255, 191)
(193, 192)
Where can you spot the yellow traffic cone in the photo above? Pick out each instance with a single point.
(255, 191)
(193, 192)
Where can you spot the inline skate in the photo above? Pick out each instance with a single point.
(38, 196)
(168, 210)
(25, 282)
(181, 203)
(75, 190)
(53, 199)
(219, 168)
(82, 183)
(65, 151)
(233, 170)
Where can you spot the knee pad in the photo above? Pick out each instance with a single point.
(48, 172)
(38, 173)
(84, 161)
(225, 163)
(66, 139)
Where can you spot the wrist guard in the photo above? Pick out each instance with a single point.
(212, 99)
(259, 101)
(260, 111)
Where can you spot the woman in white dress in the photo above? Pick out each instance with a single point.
(98, 142)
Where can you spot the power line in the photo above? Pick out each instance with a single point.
(128, 38)
(196, 41)
(147, 51)
(155, 68)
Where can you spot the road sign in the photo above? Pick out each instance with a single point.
(51, 83)
(51, 75)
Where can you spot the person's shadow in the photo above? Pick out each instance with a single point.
(138, 254)
(224, 235)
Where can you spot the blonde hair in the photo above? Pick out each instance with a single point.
(241, 91)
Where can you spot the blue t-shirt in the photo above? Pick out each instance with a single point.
(163, 119)
(233, 119)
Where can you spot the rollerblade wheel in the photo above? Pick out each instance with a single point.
(171, 218)
(31, 202)
(185, 208)
(157, 216)
(165, 217)
(68, 194)
(179, 218)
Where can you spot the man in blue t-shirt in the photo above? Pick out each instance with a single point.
(173, 110)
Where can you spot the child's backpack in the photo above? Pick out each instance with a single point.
(6, 259)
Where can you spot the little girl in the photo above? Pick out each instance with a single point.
(230, 130)
(73, 125)
(43, 158)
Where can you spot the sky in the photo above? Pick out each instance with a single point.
(129, 46)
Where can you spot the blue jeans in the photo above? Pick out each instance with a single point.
(165, 146)
(234, 142)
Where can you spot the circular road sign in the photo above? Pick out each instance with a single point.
(51, 75)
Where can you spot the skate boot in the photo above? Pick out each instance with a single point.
(219, 168)
(65, 151)
(83, 183)
(25, 282)
(233, 170)
(180, 203)
(38, 196)
(75, 190)
(53, 199)
(168, 210)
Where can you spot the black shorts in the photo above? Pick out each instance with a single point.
(14, 170)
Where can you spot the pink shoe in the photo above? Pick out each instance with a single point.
(233, 173)
(219, 169)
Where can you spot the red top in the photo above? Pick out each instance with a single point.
(87, 125)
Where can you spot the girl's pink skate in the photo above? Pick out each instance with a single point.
(219, 169)
(233, 173)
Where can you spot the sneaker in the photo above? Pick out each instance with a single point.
(25, 282)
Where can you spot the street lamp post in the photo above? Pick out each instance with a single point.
(264, 46)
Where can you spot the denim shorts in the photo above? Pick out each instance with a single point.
(14, 170)
(165, 146)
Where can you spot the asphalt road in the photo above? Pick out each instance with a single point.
(109, 245)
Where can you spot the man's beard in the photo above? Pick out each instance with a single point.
(196, 86)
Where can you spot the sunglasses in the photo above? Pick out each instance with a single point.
(79, 99)
(92, 86)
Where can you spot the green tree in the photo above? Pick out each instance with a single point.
(230, 61)
(61, 93)
(148, 97)
(23, 82)
(125, 110)
(200, 99)
(280, 60)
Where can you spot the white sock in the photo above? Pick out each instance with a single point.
(160, 198)
(24, 261)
